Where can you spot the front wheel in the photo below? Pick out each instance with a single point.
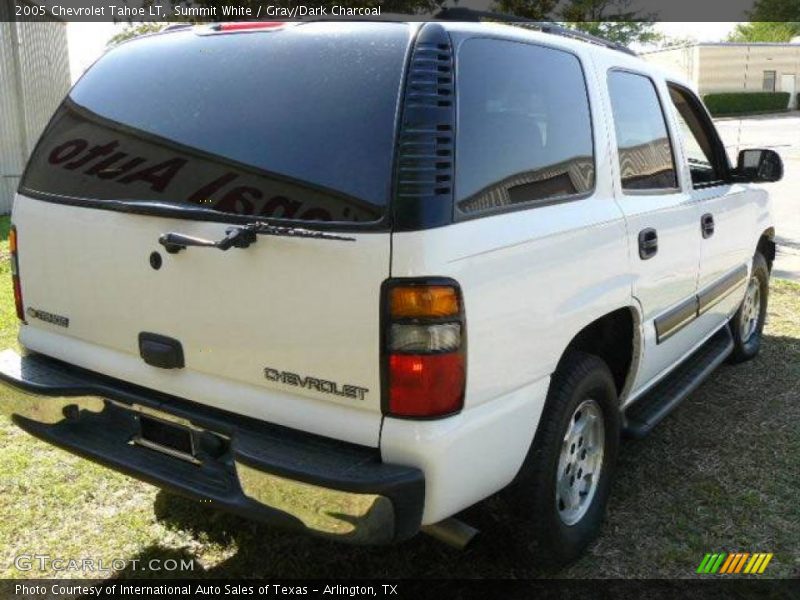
(747, 325)
(561, 492)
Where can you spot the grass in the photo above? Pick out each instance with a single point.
(720, 474)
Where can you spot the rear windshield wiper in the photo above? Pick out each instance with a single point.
(243, 236)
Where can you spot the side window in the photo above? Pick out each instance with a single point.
(524, 128)
(768, 85)
(646, 161)
(706, 158)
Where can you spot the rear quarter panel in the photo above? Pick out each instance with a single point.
(531, 280)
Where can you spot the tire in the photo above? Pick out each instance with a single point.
(747, 325)
(532, 497)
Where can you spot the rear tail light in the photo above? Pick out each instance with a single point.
(12, 247)
(424, 347)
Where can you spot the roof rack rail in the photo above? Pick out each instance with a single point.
(467, 14)
(176, 26)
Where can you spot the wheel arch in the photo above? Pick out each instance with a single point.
(615, 337)
(766, 246)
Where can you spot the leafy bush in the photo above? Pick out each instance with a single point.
(737, 103)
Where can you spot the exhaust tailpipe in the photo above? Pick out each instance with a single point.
(452, 532)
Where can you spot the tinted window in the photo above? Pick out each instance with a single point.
(524, 128)
(645, 152)
(295, 123)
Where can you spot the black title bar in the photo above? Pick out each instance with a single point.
(411, 10)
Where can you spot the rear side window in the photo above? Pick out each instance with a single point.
(296, 123)
(524, 133)
(645, 153)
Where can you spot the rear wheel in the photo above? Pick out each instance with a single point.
(747, 325)
(561, 493)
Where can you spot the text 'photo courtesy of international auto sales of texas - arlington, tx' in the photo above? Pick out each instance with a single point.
(200, 589)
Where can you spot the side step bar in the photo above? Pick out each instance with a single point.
(646, 412)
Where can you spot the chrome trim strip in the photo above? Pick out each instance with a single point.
(720, 289)
(675, 319)
(672, 321)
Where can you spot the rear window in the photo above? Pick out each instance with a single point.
(296, 123)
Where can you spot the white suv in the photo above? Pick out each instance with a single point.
(356, 277)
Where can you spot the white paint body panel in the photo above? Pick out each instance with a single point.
(525, 295)
(306, 306)
(669, 277)
(470, 456)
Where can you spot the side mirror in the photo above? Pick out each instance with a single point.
(756, 166)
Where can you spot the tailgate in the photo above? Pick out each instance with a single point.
(283, 330)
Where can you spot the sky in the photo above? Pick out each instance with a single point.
(87, 41)
(702, 32)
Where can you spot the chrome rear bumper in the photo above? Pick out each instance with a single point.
(256, 469)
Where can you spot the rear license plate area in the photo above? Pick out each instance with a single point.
(169, 438)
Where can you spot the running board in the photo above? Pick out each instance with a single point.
(645, 413)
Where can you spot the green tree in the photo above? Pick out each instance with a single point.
(621, 32)
(537, 10)
(133, 30)
(676, 41)
(764, 31)
(776, 10)
(610, 19)
(770, 21)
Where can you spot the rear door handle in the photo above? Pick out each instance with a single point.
(648, 243)
(707, 225)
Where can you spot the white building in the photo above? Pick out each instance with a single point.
(734, 66)
(34, 78)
